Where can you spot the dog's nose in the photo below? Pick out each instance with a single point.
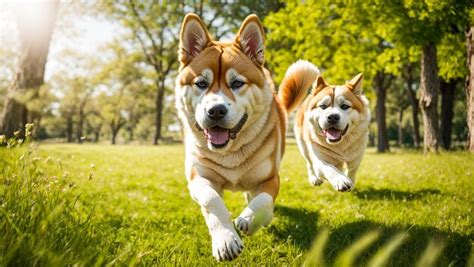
(333, 118)
(217, 112)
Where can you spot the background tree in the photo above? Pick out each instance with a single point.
(35, 23)
(424, 24)
(470, 88)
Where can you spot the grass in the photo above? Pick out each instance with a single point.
(127, 205)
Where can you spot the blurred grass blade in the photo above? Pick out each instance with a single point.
(431, 253)
(347, 257)
(315, 256)
(383, 254)
(470, 261)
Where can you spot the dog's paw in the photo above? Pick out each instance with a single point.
(226, 244)
(342, 184)
(314, 180)
(248, 222)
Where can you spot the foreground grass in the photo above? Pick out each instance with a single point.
(128, 205)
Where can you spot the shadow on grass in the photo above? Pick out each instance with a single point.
(456, 251)
(387, 194)
(299, 226)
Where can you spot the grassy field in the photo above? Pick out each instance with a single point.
(126, 205)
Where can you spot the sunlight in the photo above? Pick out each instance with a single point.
(33, 17)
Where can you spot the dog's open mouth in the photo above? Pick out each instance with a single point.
(219, 136)
(334, 135)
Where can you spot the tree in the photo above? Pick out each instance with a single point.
(408, 76)
(429, 87)
(382, 82)
(124, 84)
(470, 88)
(35, 33)
(452, 72)
(423, 24)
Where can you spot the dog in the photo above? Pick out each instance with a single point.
(234, 128)
(331, 123)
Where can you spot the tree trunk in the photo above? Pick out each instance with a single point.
(35, 35)
(114, 135)
(414, 106)
(80, 126)
(429, 87)
(159, 110)
(470, 89)
(130, 133)
(69, 129)
(400, 128)
(96, 136)
(447, 110)
(380, 112)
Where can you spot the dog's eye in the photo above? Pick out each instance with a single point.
(344, 106)
(322, 106)
(201, 85)
(236, 84)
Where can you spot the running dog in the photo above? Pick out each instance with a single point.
(234, 128)
(331, 124)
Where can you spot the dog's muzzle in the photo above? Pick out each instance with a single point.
(219, 136)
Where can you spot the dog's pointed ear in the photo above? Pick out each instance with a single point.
(193, 38)
(319, 85)
(251, 39)
(355, 85)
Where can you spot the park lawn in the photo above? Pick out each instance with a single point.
(130, 204)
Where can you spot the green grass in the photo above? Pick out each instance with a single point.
(126, 205)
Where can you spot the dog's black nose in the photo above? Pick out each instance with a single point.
(217, 112)
(333, 118)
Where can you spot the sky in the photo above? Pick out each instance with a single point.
(84, 34)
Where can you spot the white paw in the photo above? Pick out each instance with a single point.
(252, 219)
(226, 244)
(314, 180)
(342, 183)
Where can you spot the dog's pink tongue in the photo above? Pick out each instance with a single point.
(218, 135)
(333, 133)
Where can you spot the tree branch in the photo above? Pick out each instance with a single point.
(147, 32)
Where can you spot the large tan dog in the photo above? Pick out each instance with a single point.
(234, 128)
(331, 125)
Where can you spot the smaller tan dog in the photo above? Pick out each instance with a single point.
(331, 125)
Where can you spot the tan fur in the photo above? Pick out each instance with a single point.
(251, 161)
(295, 85)
(328, 160)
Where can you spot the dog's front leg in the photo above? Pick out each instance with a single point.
(335, 177)
(259, 211)
(353, 166)
(226, 243)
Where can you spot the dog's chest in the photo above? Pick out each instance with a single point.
(236, 173)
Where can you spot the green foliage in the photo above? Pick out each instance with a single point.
(141, 213)
(42, 221)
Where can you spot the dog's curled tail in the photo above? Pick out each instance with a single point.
(297, 82)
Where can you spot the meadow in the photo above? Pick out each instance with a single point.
(129, 205)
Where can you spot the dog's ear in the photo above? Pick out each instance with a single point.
(193, 38)
(355, 85)
(251, 39)
(319, 85)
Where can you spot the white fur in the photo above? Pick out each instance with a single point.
(258, 213)
(336, 162)
(226, 243)
(307, 68)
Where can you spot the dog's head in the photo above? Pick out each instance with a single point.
(221, 87)
(334, 110)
